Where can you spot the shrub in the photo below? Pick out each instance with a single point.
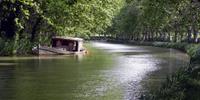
(24, 47)
(182, 85)
(12, 47)
(194, 52)
(7, 47)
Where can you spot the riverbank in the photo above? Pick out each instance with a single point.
(185, 83)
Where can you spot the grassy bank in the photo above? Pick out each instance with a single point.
(185, 83)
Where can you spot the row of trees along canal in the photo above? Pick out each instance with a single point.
(165, 21)
(27, 23)
(157, 20)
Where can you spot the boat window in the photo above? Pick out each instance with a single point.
(58, 43)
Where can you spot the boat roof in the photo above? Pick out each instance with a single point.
(67, 38)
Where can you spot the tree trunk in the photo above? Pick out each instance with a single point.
(176, 36)
(189, 35)
(196, 34)
(161, 36)
(164, 36)
(34, 29)
(169, 37)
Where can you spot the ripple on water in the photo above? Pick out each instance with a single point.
(116, 72)
(130, 69)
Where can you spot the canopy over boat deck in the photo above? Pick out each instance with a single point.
(62, 45)
(67, 38)
(68, 43)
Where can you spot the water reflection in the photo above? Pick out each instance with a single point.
(136, 64)
(110, 72)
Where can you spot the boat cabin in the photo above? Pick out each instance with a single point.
(68, 43)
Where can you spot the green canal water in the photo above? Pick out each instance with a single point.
(107, 72)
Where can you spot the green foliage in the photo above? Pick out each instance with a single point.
(81, 18)
(158, 20)
(7, 47)
(24, 47)
(33, 22)
(185, 83)
(194, 51)
(182, 85)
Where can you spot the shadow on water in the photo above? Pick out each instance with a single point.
(108, 72)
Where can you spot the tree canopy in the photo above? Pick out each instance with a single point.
(168, 20)
(33, 22)
(25, 23)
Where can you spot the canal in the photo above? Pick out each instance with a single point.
(107, 72)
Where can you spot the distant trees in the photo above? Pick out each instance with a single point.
(158, 20)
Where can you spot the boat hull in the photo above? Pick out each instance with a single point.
(55, 51)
